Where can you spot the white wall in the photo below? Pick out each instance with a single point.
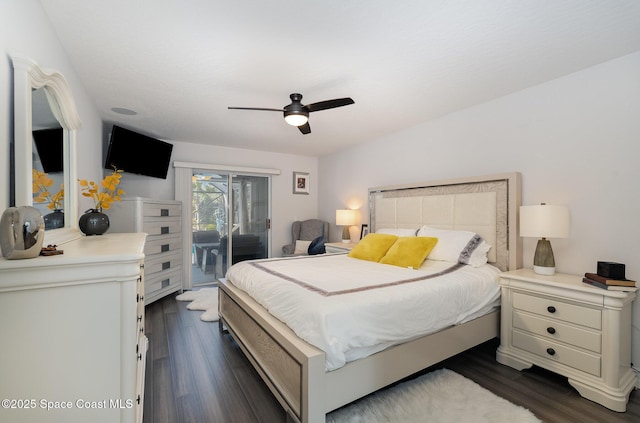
(286, 206)
(576, 141)
(26, 32)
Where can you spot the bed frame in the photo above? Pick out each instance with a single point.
(295, 371)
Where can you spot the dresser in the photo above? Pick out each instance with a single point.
(161, 221)
(571, 328)
(72, 331)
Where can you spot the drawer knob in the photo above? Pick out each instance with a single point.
(551, 330)
(551, 351)
(551, 309)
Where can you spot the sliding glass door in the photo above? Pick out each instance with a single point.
(229, 222)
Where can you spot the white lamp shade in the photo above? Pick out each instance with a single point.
(544, 221)
(345, 217)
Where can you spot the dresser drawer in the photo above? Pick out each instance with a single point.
(164, 280)
(161, 227)
(140, 335)
(556, 352)
(151, 209)
(164, 244)
(159, 263)
(558, 331)
(555, 309)
(140, 373)
(140, 299)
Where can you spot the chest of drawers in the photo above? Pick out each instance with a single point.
(73, 335)
(571, 328)
(161, 220)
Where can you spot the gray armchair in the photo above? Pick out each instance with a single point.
(307, 230)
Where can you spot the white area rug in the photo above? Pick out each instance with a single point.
(441, 396)
(204, 299)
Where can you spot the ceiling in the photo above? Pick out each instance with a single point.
(180, 63)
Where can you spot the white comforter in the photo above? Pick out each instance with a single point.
(351, 308)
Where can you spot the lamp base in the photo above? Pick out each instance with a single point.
(346, 235)
(543, 261)
(547, 271)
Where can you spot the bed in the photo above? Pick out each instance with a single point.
(297, 372)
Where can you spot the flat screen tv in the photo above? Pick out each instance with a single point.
(136, 153)
(48, 144)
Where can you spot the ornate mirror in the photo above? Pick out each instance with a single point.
(43, 101)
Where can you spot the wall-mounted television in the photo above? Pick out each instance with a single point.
(48, 144)
(136, 153)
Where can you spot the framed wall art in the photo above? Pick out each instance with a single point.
(364, 230)
(301, 183)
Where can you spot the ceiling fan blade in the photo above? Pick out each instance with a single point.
(329, 104)
(257, 108)
(305, 129)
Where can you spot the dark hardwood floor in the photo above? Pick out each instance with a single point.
(196, 374)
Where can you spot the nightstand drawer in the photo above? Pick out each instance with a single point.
(555, 309)
(556, 352)
(558, 331)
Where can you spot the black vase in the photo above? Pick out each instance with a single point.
(54, 220)
(93, 222)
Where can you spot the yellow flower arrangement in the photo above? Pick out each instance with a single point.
(41, 182)
(109, 194)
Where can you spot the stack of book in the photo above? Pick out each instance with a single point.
(605, 282)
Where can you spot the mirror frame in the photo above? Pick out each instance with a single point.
(28, 76)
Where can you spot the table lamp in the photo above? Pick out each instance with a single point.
(346, 219)
(544, 221)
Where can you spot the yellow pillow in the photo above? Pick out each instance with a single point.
(409, 251)
(373, 247)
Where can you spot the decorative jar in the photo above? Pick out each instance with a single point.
(93, 222)
(54, 220)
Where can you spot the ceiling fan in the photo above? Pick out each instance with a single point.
(297, 114)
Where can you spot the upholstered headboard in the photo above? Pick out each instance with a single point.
(486, 205)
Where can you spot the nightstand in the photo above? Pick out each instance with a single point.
(571, 328)
(339, 247)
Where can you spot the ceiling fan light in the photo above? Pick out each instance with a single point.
(296, 119)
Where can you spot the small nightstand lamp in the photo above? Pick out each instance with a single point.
(346, 218)
(544, 221)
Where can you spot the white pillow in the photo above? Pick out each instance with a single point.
(397, 232)
(457, 246)
(302, 247)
